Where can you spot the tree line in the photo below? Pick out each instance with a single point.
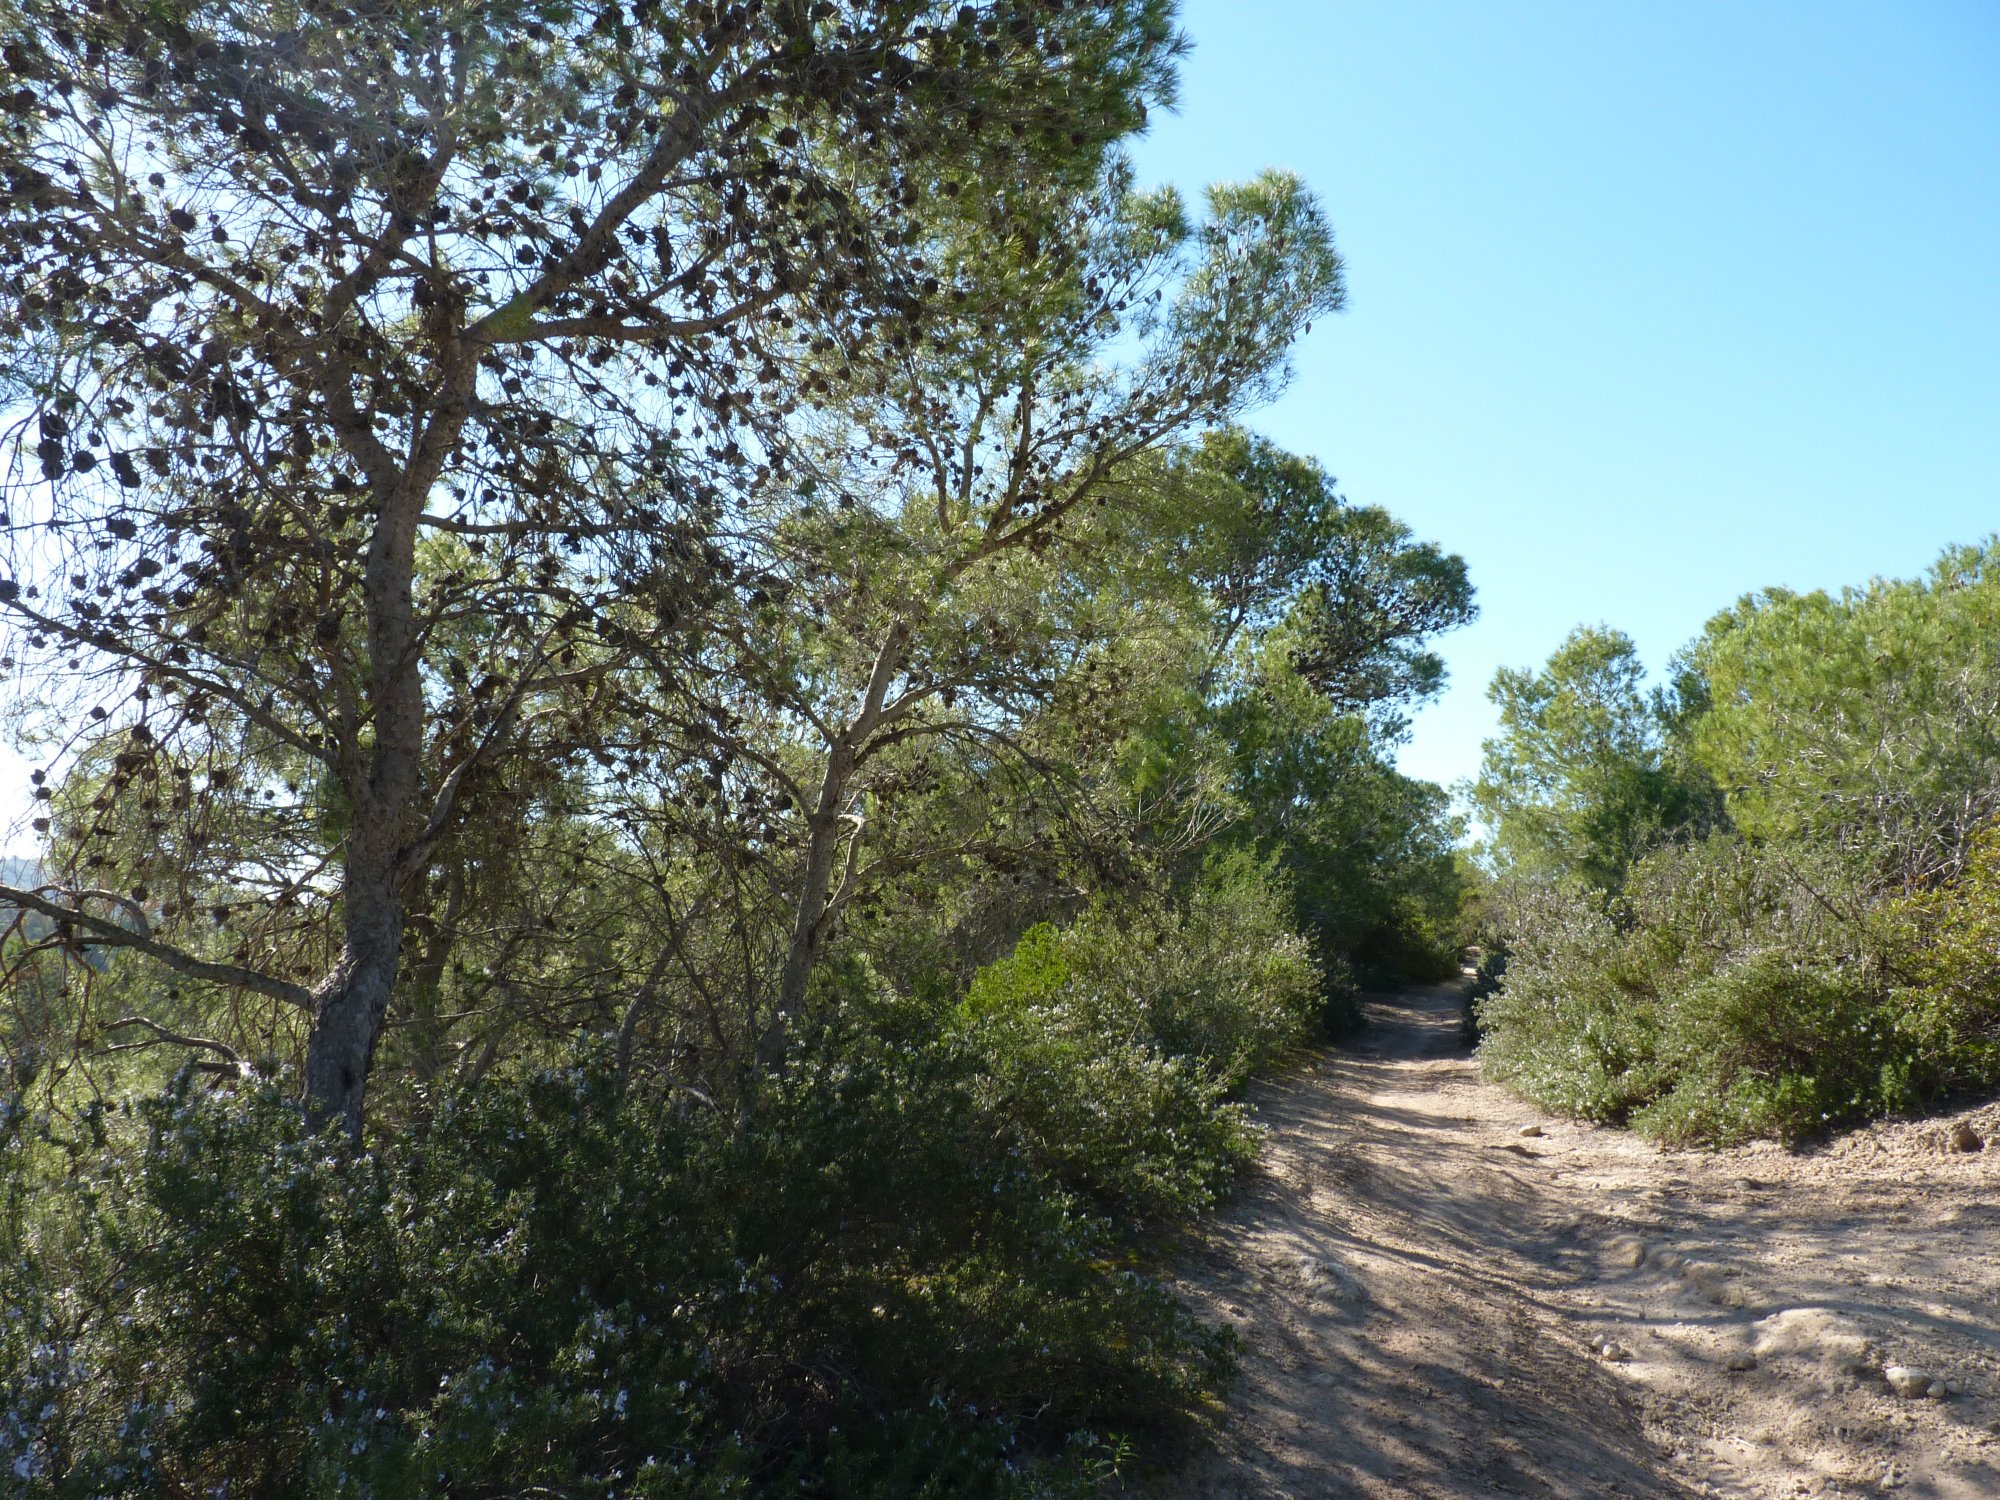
(1761, 898)
(685, 752)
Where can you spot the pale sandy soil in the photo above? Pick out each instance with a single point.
(1422, 1292)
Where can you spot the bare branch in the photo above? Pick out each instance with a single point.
(109, 934)
(232, 1061)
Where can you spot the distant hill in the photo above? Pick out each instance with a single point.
(26, 874)
(19, 872)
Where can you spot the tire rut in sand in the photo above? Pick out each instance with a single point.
(1434, 1304)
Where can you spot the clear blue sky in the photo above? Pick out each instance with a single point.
(1649, 305)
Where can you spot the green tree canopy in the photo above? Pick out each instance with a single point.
(1865, 719)
(1583, 776)
(397, 370)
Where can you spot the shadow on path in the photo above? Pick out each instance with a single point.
(1391, 1268)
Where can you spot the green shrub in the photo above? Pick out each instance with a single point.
(913, 1263)
(1113, 1044)
(1947, 942)
(1133, 1129)
(1222, 980)
(1736, 991)
(1486, 976)
(862, 1290)
(1767, 1045)
(1339, 1011)
(1566, 1027)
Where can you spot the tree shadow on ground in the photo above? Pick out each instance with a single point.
(1390, 1273)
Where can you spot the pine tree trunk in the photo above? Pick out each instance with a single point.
(815, 894)
(810, 919)
(384, 785)
(352, 1004)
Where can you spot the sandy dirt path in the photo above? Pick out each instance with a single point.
(1425, 1294)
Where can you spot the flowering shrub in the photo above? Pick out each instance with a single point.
(866, 1290)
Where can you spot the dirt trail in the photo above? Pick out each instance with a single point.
(1424, 1291)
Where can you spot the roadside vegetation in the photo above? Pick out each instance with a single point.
(686, 756)
(1763, 900)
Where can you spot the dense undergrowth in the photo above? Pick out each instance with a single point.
(921, 1260)
(917, 1265)
(1803, 933)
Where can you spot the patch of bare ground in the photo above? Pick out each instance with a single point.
(1434, 1304)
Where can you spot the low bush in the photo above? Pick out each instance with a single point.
(1114, 1043)
(1489, 969)
(1770, 1045)
(1221, 979)
(869, 1289)
(911, 1263)
(1732, 992)
(1949, 958)
(1564, 1027)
